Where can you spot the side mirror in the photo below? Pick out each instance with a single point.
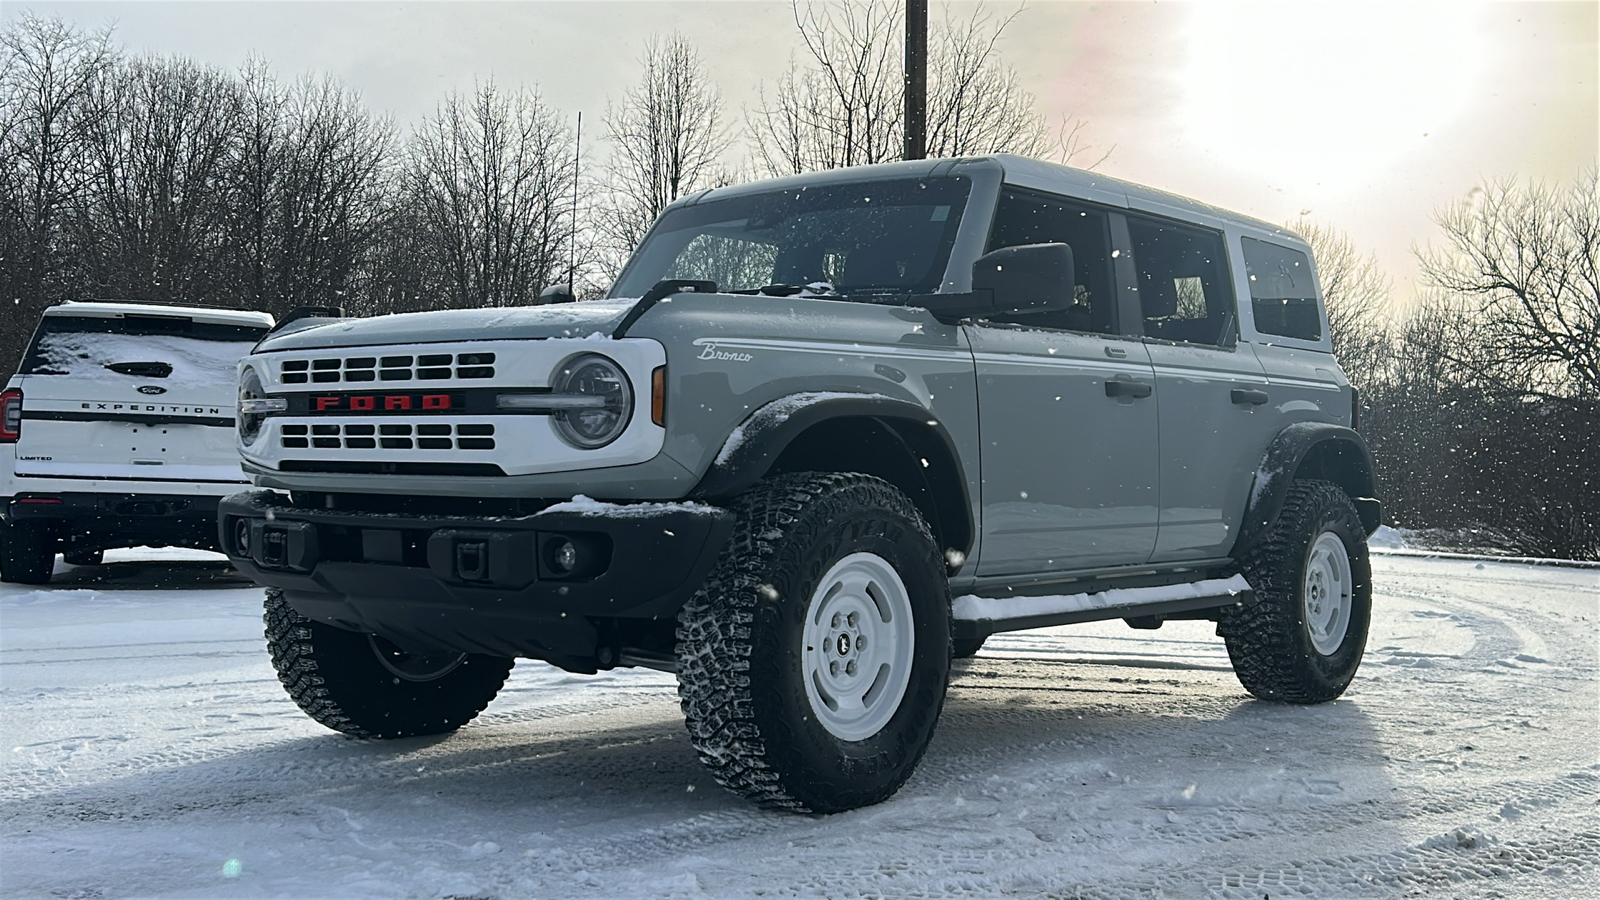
(1031, 278)
(555, 293)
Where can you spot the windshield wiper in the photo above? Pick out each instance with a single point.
(813, 289)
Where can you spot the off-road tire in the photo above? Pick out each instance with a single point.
(84, 557)
(740, 655)
(1269, 640)
(336, 677)
(27, 553)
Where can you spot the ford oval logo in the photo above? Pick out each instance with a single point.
(151, 389)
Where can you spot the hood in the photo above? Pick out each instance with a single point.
(566, 320)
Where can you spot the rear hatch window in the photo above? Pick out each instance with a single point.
(109, 349)
(131, 396)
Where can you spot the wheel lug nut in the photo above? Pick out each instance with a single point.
(850, 669)
(853, 618)
(833, 668)
(861, 642)
(835, 622)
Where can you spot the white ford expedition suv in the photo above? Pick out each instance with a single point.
(118, 431)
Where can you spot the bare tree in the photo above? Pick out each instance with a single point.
(305, 175)
(48, 70)
(153, 223)
(490, 180)
(844, 106)
(1357, 296)
(667, 137)
(1525, 259)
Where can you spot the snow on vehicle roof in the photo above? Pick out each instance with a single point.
(113, 309)
(85, 355)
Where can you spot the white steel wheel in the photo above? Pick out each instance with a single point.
(858, 646)
(1326, 593)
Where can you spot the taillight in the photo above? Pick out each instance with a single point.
(1355, 408)
(10, 416)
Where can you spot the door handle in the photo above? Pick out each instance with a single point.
(1244, 396)
(1138, 390)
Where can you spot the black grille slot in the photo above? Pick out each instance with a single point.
(426, 367)
(391, 436)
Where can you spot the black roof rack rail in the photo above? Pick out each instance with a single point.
(307, 312)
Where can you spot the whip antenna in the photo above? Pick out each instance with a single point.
(572, 246)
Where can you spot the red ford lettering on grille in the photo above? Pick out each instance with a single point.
(360, 403)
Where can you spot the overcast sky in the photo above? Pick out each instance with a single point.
(1362, 116)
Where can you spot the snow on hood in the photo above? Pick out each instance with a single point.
(85, 355)
(565, 320)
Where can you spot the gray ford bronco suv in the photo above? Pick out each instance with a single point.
(826, 434)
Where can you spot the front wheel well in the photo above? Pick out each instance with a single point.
(909, 456)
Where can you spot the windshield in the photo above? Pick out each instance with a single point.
(870, 237)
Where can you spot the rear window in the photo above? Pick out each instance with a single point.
(1281, 293)
(138, 346)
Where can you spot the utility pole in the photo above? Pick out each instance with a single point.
(916, 91)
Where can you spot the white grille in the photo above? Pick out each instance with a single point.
(362, 369)
(389, 436)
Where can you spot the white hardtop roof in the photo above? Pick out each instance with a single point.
(1024, 172)
(116, 310)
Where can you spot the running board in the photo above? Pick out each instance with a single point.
(978, 617)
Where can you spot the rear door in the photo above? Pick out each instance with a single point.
(131, 396)
(1211, 391)
(1069, 449)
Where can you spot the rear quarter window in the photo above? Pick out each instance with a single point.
(90, 346)
(1282, 295)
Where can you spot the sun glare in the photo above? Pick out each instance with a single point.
(1325, 94)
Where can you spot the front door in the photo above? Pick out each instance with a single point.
(1068, 417)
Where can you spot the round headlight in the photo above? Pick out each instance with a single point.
(249, 389)
(594, 376)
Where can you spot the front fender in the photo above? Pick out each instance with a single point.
(751, 450)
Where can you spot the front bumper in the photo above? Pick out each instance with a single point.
(477, 584)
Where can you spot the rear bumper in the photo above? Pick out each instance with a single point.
(92, 521)
(475, 583)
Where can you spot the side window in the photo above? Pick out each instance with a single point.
(1026, 218)
(1184, 289)
(1282, 296)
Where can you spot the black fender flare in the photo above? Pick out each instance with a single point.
(1339, 454)
(749, 452)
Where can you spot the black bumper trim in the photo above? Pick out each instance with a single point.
(474, 583)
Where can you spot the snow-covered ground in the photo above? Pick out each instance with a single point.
(149, 751)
